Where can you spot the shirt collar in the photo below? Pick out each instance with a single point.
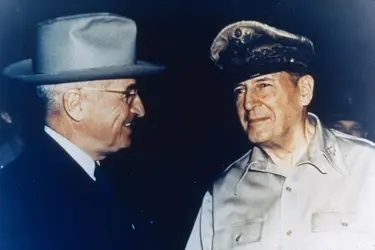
(84, 160)
(323, 148)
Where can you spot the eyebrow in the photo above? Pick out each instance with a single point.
(260, 79)
(264, 78)
(130, 86)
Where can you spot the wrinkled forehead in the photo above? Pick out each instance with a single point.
(271, 77)
(121, 84)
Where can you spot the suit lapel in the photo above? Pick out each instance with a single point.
(63, 202)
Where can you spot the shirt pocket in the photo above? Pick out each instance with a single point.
(341, 221)
(238, 235)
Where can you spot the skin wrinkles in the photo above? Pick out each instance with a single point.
(97, 116)
(272, 111)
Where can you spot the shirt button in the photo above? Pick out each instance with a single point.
(289, 233)
(238, 238)
(288, 189)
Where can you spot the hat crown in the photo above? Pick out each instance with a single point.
(247, 49)
(84, 41)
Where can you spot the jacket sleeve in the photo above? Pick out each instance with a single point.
(201, 236)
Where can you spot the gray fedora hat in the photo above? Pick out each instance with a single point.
(81, 48)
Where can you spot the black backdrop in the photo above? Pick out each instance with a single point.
(190, 132)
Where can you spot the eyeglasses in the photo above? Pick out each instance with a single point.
(129, 95)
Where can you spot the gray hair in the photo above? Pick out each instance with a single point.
(52, 95)
(51, 98)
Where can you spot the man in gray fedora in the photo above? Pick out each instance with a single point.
(55, 196)
(300, 186)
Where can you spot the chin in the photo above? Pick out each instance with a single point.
(125, 139)
(124, 144)
(258, 138)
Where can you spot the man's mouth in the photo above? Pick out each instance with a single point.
(128, 124)
(255, 120)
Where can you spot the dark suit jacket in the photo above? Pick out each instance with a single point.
(48, 202)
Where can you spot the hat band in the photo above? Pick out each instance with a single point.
(242, 73)
(43, 64)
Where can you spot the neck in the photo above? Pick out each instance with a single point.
(288, 150)
(74, 135)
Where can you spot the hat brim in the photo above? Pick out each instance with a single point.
(23, 71)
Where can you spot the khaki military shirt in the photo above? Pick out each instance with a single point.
(326, 202)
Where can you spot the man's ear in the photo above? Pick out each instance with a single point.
(72, 102)
(306, 87)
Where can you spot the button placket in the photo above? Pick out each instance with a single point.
(286, 207)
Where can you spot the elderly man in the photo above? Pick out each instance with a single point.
(301, 186)
(55, 195)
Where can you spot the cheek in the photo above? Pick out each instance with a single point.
(110, 116)
(278, 109)
(239, 106)
(240, 109)
(120, 114)
(239, 100)
(270, 105)
(289, 112)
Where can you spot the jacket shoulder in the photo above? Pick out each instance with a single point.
(233, 172)
(358, 153)
(345, 140)
(238, 162)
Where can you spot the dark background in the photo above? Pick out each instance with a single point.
(191, 132)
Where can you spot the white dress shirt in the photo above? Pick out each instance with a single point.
(75, 152)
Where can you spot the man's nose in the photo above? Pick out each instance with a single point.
(137, 107)
(250, 100)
